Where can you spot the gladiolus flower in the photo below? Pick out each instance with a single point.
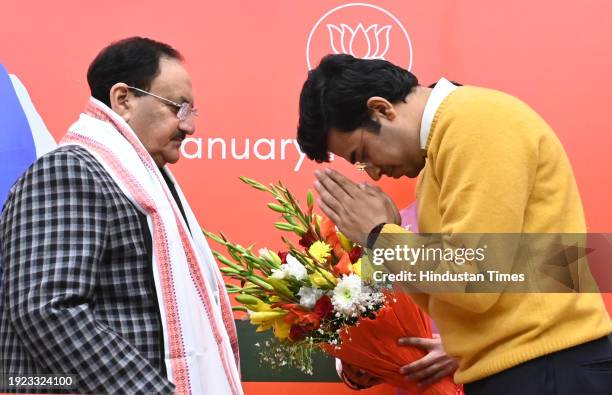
(355, 254)
(357, 267)
(293, 268)
(297, 333)
(343, 267)
(323, 279)
(274, 318)
(324, 307)
(309, 296)
(297, 315)
(307, 240)
(346, 244)
(328, 232)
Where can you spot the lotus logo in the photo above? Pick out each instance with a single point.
(345, 40)
(362, 30)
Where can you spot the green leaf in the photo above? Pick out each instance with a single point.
(284, 226)
(277, 208)
(310, 200)
(257, 262)
(235, 253)
(213, 236)
(280, 287)
(289, 218)
(247, 299)
(260, 282)
(228, 270)
(253, 183)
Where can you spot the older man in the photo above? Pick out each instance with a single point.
(107, 276)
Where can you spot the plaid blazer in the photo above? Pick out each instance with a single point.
(77, 294)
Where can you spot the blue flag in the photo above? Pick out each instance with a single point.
(23, 135)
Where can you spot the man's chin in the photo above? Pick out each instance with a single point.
(412, 173)
(172, 157)
(399, 173)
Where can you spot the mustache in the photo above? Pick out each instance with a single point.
(179, 135)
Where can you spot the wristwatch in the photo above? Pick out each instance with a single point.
(373, 235)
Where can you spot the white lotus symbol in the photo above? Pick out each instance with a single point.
(374, 41)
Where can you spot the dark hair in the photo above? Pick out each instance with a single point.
(133, 60)
(336, 93)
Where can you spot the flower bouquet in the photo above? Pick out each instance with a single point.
(312, 296)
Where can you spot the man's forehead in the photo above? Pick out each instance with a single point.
(343, 144)
(174, 81)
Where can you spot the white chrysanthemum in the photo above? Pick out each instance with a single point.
(347, 295)
(309, 296)
(352, 299)
(293, 268)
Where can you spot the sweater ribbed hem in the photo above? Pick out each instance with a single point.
(526, 353)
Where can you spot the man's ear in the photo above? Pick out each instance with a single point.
(381, 108)
(120, 100)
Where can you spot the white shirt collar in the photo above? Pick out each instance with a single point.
(442, 89)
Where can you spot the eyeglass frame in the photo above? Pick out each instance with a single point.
(185, 110)
(361, 166)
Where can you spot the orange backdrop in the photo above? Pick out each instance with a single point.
(248, 60)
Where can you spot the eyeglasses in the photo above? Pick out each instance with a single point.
(362, 166)
(185, 110)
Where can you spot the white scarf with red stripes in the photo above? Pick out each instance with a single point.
(200, 342)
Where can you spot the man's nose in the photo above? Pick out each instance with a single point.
(187, 126)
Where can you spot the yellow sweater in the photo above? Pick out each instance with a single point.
(493, 165)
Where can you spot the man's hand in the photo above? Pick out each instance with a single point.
(433, 366)
(354, 208)
(391, 208)
(358, 378)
